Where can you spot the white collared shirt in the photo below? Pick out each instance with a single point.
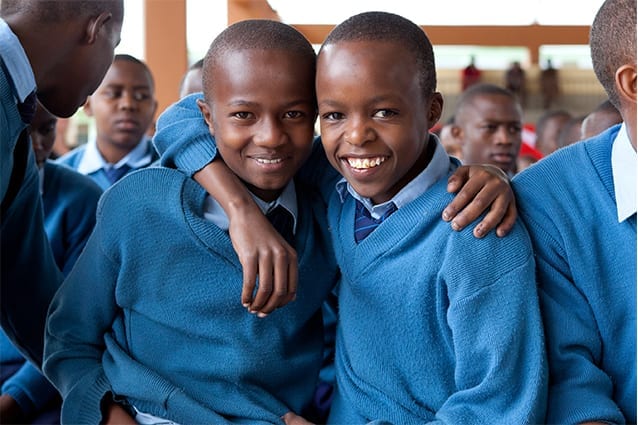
(288, 199)
(93, 161)
(16, 61)
(623, 167)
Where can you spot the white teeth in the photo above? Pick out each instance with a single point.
(268, 161)
(364, 163)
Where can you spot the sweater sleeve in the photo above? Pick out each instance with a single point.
(580, 390)
(30, 389)
(501, 369)
(28, 273)
(182, 137)
(80, 316)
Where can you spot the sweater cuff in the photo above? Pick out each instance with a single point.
(83, 405)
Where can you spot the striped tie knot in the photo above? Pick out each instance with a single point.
(364, 223)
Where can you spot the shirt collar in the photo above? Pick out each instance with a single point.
(623, 167)
(438, 167)
(93, 161)
(15, 59)
(288, 200)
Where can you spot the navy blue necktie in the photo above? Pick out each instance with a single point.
(27, 108)
(114, 174)
(282, 220)
(364, 224)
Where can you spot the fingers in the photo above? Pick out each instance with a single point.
(277, 280)
(487, 191)
(249, 267)
(508, 221)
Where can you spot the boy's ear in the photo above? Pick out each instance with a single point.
(208, 116)
(95, 25)
(626, 83)
(436, 108)
(87, 107)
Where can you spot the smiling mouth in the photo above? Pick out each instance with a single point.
(269, 161)
(365, 163)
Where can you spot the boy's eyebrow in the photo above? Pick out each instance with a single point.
(247, 103)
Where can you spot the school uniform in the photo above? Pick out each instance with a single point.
(434, 325)
(87, 159)
(152, 313)
(579, 205)
(28, 274)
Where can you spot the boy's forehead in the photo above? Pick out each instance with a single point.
(126, 72)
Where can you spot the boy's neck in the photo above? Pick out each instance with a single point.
(112, 153)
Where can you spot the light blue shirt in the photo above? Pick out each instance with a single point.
(436, 169)
(16, 61)
(93, 161)
(288, 200)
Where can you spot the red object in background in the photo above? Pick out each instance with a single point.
(529, 151)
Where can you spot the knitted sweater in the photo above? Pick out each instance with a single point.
(28, 274)
(435, 325)
(586, 267)
(74, 158)
(490, 367)
(70, 201)
(151, 313)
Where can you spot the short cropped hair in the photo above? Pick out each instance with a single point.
(255, 34)
(388, 27)
(481, 89)
(612, 40)
(61, 10)
(133, 59)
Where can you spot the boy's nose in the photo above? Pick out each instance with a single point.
(358, 133)
(270, 134)
(127, 101)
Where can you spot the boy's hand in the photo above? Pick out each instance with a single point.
(265, 254)
(481, 188)
(293, 419)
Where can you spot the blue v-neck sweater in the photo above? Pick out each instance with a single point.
(435, 325)
(151, 313)
(586, 266)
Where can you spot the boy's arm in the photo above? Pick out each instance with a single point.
(80, 316)
(184, 141)
(481, 188)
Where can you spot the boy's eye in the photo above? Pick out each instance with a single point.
(112, 94)
(514, 129)
(332, 116)
(141, 96)
(384, 113)
(242, 115)
(294, 114)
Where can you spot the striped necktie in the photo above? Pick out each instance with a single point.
(283, 221)
(114, 174)
(364, 224)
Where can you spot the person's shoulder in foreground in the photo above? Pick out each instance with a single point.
(580, 208)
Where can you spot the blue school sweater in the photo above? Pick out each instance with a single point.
(586, 266)
(435, 325)
(74, 158)
(152, 313)
(28, 275)
(432, 322)
(70, 201)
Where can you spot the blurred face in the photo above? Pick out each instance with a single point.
(490, 130)
(123, 105)
(547, 142)
(597, 122)
(374, 116)
(42, 132)
(79, 69)
(262, 111)
(192, 83)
